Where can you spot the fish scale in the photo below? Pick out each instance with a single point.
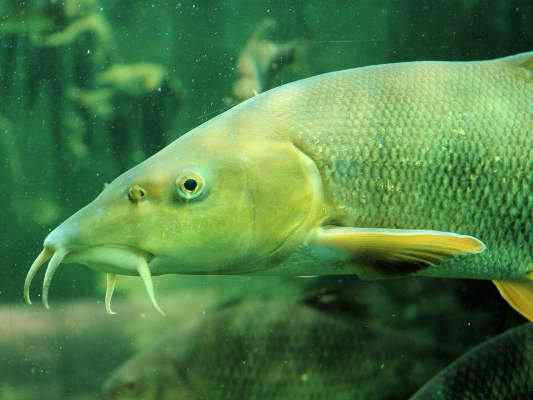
(430, 145)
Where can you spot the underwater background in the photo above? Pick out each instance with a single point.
(90, 88)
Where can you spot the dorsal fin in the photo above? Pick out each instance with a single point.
(524, 60)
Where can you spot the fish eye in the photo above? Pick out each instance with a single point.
(136, 193)
(190, 186)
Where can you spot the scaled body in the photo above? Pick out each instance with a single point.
(500, 368)
(425, 145)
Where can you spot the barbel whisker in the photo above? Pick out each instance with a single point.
(53, 265)
(111, 282)
(146, 276)
(42, 258)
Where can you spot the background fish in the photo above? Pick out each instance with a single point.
(273, 349)
(322, 346)
(498, 369)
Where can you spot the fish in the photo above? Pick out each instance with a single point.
(408, 169)
(272, 349)
(272, 346)
(499, 368)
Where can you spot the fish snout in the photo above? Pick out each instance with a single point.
(79, 230)
(57, 245)
(63, 237)
(80, 240)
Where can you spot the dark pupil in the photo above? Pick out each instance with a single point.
(190, 185)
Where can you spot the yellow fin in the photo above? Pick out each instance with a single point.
(397, 250)
(519, 295)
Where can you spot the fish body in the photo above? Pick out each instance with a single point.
(391, 170)
(445, 146)
(273, 347)
(284, 351)
(498, 369)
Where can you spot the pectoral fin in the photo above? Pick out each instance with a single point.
(394, 251)
(519, 295)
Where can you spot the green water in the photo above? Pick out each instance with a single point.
(89, 88)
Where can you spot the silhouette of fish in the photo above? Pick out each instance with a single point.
(498, 369)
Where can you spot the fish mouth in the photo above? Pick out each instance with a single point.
(114, 260)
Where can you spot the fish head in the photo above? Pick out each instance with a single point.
(209, 203)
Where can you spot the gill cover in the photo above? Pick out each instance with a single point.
(287, 193)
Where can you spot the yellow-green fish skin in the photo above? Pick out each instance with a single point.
(293, 180)
(444, 146)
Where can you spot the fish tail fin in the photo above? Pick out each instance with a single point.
(519, 295)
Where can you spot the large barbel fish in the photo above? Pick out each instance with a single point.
(419, 168)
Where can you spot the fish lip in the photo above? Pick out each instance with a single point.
(74, 249)
(83, 253)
